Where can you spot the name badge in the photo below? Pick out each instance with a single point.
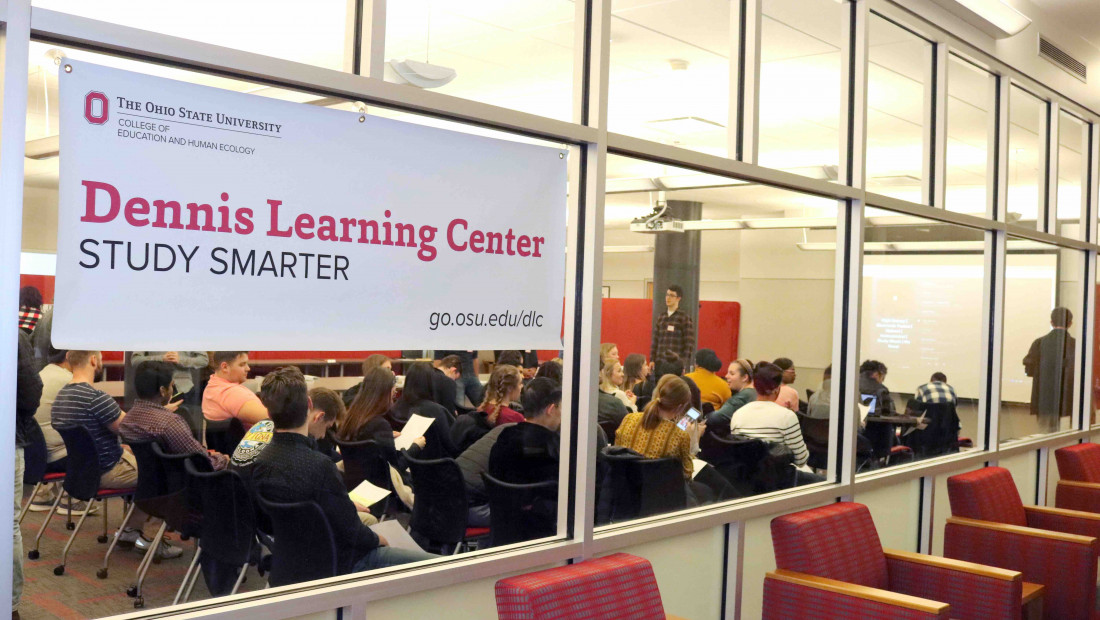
(671, 328)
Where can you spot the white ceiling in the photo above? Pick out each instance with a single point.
(1082, 15)
(520, 54)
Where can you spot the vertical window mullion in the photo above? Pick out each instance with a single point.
(935, 175)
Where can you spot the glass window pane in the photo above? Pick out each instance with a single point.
(510, 53)
(275, 28)
(752, 278)
(484, 377)
(1041, 331)
(922, 329)
(1072, 158)
(800, 86)
(670, 73)
(897, 86)
(1026, 155)
(971, 93)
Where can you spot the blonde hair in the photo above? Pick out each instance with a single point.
(605, 349)
(671, 393)
(607, 369)
(502, 382)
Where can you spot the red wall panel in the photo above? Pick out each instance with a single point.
(629, 324)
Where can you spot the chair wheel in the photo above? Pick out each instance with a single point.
(70, 526)
(131, 591)
(139, 603)
(101, 573)
(59, 570)
(32, 554)
(102, 538)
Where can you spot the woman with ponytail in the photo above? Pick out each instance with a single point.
(653, 432)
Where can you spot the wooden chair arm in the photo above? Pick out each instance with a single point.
(1021, 530)
(956, 565)
(862, 592)
(1095, 486)
(1065, 512)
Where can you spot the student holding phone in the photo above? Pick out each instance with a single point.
(663, 428)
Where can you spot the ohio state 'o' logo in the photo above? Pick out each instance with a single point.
(95, 108)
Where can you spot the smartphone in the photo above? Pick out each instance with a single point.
(178, 397)
(692, 415)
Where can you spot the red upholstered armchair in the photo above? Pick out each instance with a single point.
(620, 586)
(1079, 470)
(832, 565)
(1051, 546)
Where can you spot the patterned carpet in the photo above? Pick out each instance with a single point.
(78, 593)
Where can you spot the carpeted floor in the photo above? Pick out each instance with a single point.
(78, 593)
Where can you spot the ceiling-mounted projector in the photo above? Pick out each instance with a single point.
(421, 74)
(657, 226)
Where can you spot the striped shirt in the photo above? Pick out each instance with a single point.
(665, 440)
(80, 404)
(772, 423)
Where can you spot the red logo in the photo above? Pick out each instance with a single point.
(95, 108)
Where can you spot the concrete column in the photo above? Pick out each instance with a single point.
(676, 261)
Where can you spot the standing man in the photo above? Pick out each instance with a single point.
(673, 331)
(1049, 363)
(468, 385)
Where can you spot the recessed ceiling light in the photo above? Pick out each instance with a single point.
(994, 17)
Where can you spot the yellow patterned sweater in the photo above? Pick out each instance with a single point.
(665, 440)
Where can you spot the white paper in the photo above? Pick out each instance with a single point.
(281, 204)
(414, 429)
(863, 411)
(395, 535)
(697, 465)
(367, 495)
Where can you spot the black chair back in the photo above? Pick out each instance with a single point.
(82, 468)
(34, 457)
(609, 429)
(305, 548)
(519, 512)
(224, 435)
(642, 487)
(228, 528)
(739, 459)
(365, 460)
(815, 433)
(439, 512)
(708, 408)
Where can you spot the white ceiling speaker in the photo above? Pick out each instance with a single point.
(421, 74)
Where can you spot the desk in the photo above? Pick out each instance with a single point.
(114, 389)
(896, 420)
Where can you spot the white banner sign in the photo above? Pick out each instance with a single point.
(193, 218)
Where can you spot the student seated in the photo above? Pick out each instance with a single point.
(551, 369)
(504, 388)
(416, 399)
(788, 396)
(56, 375)
(225, 397)
(634, 374)
(764, 419)
(612, 378)
(936, 391)
(290, 469)
(447, 372)
(739, 379)
(152, 417)
(819, 401)
(871, 375)
(366, 419)
(78, 404)
(333, 413)
(528, 452)
(669, 364)
(712, 388)
(375, 360)
(653, 433)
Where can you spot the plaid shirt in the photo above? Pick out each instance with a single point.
(28, 318)
(147, 421)
(674, 333)
(936, 392)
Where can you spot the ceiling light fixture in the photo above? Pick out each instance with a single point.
(994, 17)
(421, 74)
(42, 148)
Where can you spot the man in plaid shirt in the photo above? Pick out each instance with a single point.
(936, 391)
(673, 331)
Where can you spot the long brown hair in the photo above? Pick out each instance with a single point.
(671, 393)
(375, 360)
(375, 398)
(502, 382)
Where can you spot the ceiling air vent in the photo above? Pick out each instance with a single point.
(1067, 63)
